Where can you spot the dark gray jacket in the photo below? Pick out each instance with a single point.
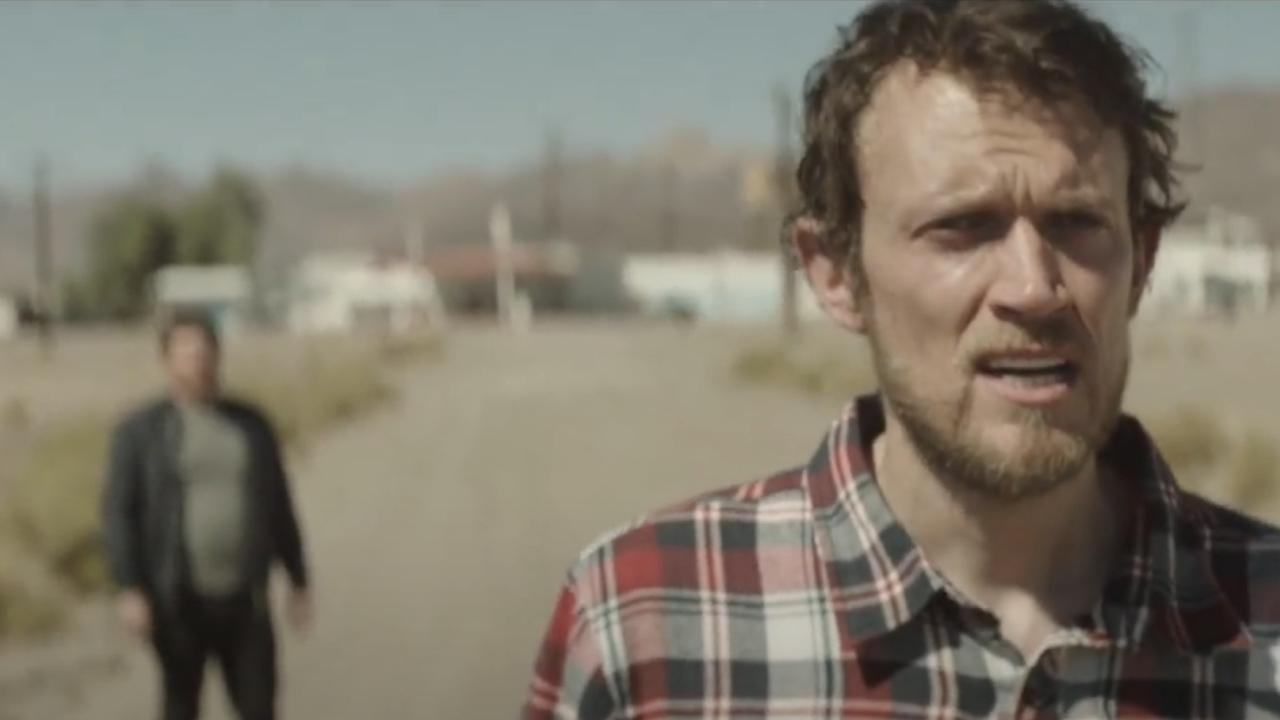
(143, 502)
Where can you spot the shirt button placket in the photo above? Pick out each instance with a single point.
(1039, 694)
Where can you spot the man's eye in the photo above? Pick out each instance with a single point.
(972, 227)
(1071, 222)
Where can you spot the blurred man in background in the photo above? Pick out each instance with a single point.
(983, 189)
(197, 510)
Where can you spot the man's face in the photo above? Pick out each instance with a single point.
(192, 362)
(999, 274)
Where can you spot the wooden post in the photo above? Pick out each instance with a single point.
(44, 279)
(553, 162)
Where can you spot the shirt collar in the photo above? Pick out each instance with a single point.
(1163, 590)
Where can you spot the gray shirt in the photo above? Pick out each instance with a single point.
(213, 461)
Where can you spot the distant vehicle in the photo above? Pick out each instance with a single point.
(680, 310)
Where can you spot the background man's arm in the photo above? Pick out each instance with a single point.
(569, 681)
(284, 522)
(121, 508)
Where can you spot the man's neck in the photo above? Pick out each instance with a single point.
(1052, 552)
(191, 399)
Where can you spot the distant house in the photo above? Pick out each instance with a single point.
(467, 276)
(11, 315)
(1219, 266)
(725, 286)
(354, 292)
(225, 291)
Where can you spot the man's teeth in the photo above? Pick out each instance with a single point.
(1028, 365)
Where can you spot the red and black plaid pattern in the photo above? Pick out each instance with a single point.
(800, 596)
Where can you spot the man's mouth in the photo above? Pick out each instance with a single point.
(1030, 372)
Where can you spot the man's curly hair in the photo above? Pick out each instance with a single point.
(1042, 50)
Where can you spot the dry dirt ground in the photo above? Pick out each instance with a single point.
(440, 528)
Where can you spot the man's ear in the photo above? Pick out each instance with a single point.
(828, 276)
(1144, 259)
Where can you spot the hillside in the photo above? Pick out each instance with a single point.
(1233, 134)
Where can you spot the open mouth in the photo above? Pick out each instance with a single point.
(1029, 372)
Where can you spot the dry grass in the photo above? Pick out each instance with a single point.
(1185, 343)
(24, 612)
(1197, 347)
(1237, 466)
(410, 347)
(15, 416)
(51, 509)
(829, 372)
(1191, 439)
(327, 390)
(1253, 472)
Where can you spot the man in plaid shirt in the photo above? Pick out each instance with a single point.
(984, 185)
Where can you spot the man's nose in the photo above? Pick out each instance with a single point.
(1029, 284)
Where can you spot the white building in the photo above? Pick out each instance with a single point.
(724, 286)
(1221, 266)
(225, 291)
(10, 317)
(348, 292)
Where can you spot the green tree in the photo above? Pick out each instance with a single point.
(133, 237)
(130, 240)
(222, 223)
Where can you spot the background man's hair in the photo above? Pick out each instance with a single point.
(1044, 50)
(187, 318)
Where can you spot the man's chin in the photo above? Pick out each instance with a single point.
(1016, 443)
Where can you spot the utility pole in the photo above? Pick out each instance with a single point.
(44, 280)
(1187, 59)
(552, 169)
(501, 238)
(415, 241)
(604, 213)
(669, 226)
(784, 184)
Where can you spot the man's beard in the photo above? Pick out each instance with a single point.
(943, 433)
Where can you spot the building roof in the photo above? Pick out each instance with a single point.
(477, 262)
(201, 283)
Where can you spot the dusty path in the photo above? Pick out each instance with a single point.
(440, 529)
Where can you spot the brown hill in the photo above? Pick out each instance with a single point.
(683, 190)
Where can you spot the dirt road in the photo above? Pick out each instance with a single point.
(440, 529)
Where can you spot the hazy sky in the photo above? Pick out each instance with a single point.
(389, 91)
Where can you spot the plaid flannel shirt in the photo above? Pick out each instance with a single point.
(800, 596)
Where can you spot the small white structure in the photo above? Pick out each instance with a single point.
(725, 286)
(10, 317)
(349, 292)
(1222, 266)
(225, 291)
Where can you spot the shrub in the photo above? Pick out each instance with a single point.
(1241, 469)
(329, 390)
(762, 364)
(775, 364)
(1253, 472)
(1190, 439)
(53, 507)
(14, 415)
(409, 347)
(24, 612)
